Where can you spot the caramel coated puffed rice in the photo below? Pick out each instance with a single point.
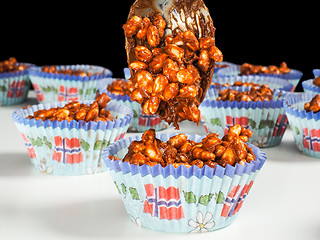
(178, 150)
(77, 111)
(313, 105)
(250, 69)
(167, 70)
(256, 93)
(11, 65)
(76, 72)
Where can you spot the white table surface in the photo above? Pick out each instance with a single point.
(283, 202)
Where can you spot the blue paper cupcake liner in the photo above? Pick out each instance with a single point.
(127, 73)
(14, 87)
(305, 125)
(266, 119)
(70, 148)
(53, 87)
(218, 66)
(316, 72)
(273, 82)
(309, 87)
(140, 121)
(293, 76)
(181, 199)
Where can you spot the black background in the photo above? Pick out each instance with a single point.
(91, 33)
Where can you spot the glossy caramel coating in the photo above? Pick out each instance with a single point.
(179, 150)
(77, 111)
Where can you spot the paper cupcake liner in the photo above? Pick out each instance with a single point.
(140, 121)
(14, 87)
(181, 199)
(316, 72)
(55, 87)
(266, 119)
(309, 87)
(305, 125)
(273, 82)
(70, 148)
(293, 76)
(127, 73)
(218, 68)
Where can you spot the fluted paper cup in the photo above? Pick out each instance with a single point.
(293, 76)
(266, 119)
(305, 125)
(181, 199)
(14, 86)
(309, 87)
(272, 82)
(70, 148)
(54, 87)
(316, 72)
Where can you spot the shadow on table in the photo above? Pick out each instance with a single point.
(286, 152)
(15, 164)
(105, 219)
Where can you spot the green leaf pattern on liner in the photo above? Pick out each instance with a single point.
(135, 113)
(56, 91)
(3, 88)
(36, 142)
(189, 197)
(47, 143)
(266, 123)
(124, 189)
(219, 197)
(134, 193)
(252, 123)
(215, 121)
(117, 187)
(205, 199)
(84, 145)
(87, 92)
(49, 89)
(100, 144)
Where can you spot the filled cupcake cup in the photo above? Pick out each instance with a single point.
(218, 66)
(14, 87)
(140, 121)
(267, 119)
(293, 76)
(305, 125)
(70, 148)
(272, 82)
(181, 199)
(309, 87)
(54, 87)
